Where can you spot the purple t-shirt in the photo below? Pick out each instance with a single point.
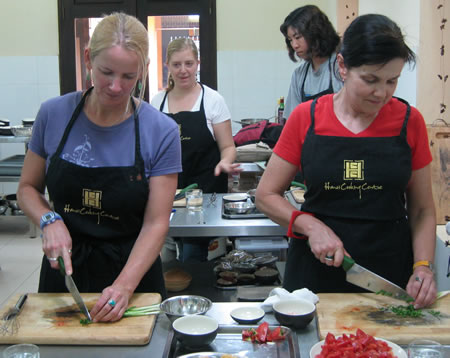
(90, 145)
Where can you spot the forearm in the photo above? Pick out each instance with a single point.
(144, 253)
(32, 202)
(423, 230)
(228, 154)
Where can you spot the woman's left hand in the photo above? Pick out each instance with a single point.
(112, 304)
(225, 167)
(422, 287)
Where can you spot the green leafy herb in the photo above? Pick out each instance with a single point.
(85, 321)
(400, 297)
(435, 313)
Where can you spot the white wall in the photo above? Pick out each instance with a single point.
(253, 67)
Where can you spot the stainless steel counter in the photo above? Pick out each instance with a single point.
(209, 222)
(155, 349)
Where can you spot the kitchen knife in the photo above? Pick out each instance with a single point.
(182, 192)
(73, 289)
(369, 280)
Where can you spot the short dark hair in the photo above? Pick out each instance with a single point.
(374, 39)
(314, 26)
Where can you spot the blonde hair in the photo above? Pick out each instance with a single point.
(176, 45)
(120, 29)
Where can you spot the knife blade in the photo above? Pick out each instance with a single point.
(182, 192)
(72, 287)
(369, 280)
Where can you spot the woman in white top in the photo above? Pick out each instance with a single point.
(208, 150)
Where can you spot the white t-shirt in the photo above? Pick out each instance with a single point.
(216, 110)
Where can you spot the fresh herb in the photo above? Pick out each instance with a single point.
(384, 293)
(142, 311)
(400, 297)
(85, 321)
(435, 313)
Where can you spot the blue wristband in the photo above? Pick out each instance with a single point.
(49, 218)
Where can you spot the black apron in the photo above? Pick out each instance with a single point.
(357, 187)
(103, 209)
(329, 90)
(200, 152)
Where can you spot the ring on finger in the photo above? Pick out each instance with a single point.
(329, 257)
(418, 279)
(52, 258)
(111, 302)
(69, 251)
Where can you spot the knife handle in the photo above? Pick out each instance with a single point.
(189, 187)
(62, 268)
(347, 263)
(297, 184)
(21, 302)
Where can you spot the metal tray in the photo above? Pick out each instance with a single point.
(229, 340)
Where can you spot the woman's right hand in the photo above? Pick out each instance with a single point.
(324, 243)
(56, 241)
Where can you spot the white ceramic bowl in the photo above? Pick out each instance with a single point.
(195, 331)
(247, 315)
(235, 197)
(398, 351)
(296, 313)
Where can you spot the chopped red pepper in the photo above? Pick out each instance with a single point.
(263, 334)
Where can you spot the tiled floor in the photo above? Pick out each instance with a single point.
(20, 258)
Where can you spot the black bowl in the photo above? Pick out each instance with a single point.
(11, 199)
(195, 331)
(296, 313)
(266, 275)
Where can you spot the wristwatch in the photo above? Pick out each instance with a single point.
(49, 218)
(426, 263)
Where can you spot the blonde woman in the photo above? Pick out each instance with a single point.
(208, 149)
(110, 163)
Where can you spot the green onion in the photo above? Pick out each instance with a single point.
(142, 311)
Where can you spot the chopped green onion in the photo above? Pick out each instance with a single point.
(142, 311)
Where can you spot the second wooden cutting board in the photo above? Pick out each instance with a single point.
(341, 313)
(54, 318)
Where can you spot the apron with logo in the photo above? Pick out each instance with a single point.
(103, 209)
(200, 153)
(357, 187)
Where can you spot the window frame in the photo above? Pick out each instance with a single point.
(69, 10)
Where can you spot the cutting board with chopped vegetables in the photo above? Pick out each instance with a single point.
(54, 318)
(341, 313)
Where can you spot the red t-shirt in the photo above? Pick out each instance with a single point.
(388, 123)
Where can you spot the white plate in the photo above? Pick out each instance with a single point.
(398, 351)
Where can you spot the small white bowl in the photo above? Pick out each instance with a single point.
(247, 315)
(195, 331)
(235, 197)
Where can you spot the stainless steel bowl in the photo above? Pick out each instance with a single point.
(239, 207)
(179, 306)
(21, 131)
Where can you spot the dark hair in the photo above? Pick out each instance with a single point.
(314, 26)
(374, 39)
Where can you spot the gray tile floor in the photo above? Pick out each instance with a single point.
(20, 258)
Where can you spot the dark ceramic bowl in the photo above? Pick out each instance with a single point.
(179, 306)
(296, 313)
(246, 279)
(266, 275)
(247, 315)
(195, 331)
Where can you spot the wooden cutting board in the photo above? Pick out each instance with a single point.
(439, 139)
(54, 318)
(341, 313)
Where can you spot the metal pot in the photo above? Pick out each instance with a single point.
(247, 121)
(239, 207)
(11, 199)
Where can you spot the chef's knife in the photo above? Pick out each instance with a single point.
(182, 192)
(73, 289)
(369, 280)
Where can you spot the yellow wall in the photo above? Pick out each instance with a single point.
(29, 27)
(251, 25)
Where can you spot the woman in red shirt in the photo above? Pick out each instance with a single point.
(365, 158)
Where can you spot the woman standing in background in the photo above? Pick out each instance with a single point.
(310, 37)
(204, 121)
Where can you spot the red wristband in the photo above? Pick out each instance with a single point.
(292, 233)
